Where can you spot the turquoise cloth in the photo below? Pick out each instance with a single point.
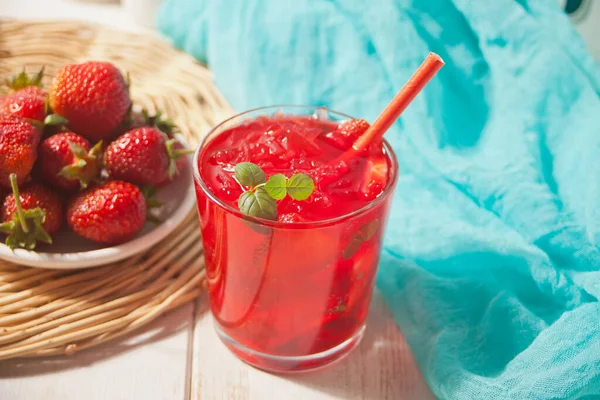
(491, 260)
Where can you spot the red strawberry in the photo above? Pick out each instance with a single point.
(92, 96)
(144, 156)
(68, 161)
(344, 136)
(30, 214)
(27, 100)
(19, 141)
(111, 213)
(375, 177)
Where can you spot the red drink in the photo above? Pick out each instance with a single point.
(293, 293)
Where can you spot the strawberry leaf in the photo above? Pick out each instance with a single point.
(86, 167)
(152, 204)
(23, 80)
(77, 150)
(165, 125)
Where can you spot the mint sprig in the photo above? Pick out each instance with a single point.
(260, 199)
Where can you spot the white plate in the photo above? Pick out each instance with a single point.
(70, 251)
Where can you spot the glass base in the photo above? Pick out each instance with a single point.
(291, 364)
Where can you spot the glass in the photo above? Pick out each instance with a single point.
(290, 296)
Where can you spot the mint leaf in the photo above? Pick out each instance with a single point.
(368, 230)
(276, 186)
(258, 204)
(353, 246)
(300, 186)
(363, 234)
(248, 174)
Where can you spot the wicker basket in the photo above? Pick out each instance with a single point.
(48, 312)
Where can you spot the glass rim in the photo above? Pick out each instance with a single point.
(278, 224)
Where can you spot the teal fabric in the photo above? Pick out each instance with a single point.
(491, 260)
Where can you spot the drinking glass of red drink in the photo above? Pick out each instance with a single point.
(292, 292)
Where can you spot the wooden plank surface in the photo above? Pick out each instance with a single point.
(382, 367)
(151, 365)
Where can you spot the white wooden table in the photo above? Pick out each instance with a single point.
(178, 357)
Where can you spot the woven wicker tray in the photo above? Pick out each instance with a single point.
(47, 312)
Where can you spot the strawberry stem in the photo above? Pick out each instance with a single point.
(20, 212)
(181, 152)
(174, 155)
(25, 227)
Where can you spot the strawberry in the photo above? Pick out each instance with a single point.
(68, 161)
(29, 103)
(346, 133)
(375, 177)
(27, 100)
(30, 214)
(92, 96)
(19, 141)
(111, 213)
(144, 156)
